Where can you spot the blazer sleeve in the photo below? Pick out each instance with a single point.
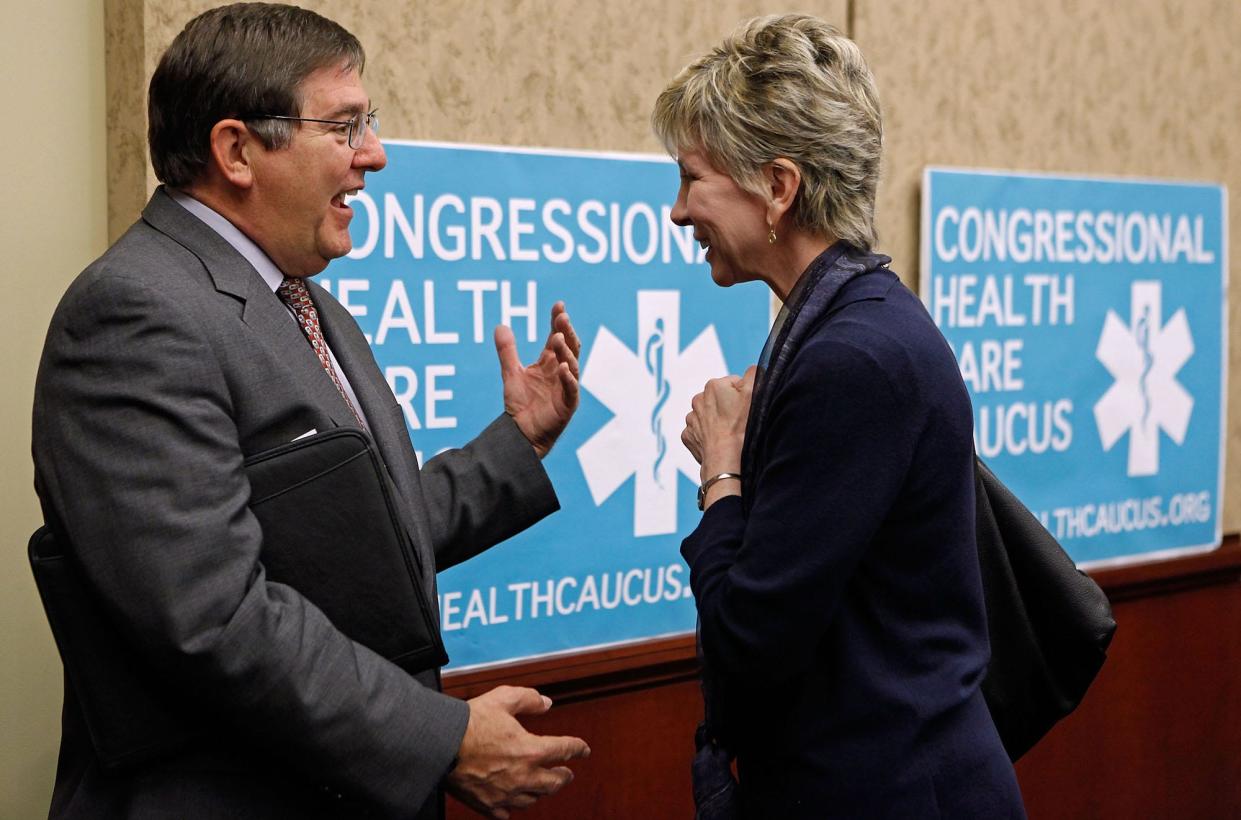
(138, 463)
(485, 492)
(840, 441)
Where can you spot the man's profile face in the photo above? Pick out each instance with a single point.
(301, 220)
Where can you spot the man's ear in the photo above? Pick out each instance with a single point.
(783, 180)
(231, 147)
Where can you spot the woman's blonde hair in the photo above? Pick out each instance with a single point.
(785, 86)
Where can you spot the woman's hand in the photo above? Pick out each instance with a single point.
(715, 429)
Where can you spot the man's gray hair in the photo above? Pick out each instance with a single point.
(785, 86)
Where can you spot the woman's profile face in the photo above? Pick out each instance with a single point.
(729, 221)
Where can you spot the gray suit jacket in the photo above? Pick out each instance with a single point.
(167, 363)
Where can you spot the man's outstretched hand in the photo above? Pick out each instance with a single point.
(542, 397)
(500, 765)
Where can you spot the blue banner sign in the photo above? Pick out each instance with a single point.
(451, 240)
(1089, 319)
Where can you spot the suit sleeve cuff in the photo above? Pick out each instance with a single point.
(446, 725)
(529, 476)
(435, 735)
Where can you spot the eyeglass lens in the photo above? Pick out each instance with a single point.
(358, 126)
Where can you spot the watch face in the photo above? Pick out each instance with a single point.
(702, 496)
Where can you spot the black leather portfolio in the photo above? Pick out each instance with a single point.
(330, 530)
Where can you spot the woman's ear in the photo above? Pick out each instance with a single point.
(783, 179)
(231, 146)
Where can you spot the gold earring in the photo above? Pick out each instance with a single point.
(771, 236)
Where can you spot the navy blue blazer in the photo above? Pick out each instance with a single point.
(844, 611)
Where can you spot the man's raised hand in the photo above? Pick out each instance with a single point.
(543, 396)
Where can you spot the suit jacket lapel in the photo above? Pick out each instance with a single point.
(271, 321)
(262, 309)
(374, 398)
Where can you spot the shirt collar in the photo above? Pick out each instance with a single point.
(243, 244)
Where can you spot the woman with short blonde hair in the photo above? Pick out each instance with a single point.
(790, 87)
(835, 567)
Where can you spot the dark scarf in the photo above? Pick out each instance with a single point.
(807, 304)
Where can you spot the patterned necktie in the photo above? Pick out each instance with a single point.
(294, 293)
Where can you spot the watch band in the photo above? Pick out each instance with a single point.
(706, 485)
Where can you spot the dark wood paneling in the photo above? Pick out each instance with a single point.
(635, 705)
(1158, 736)
(641, 743)
(1159, 733)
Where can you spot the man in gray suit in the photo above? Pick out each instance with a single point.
(198, 340)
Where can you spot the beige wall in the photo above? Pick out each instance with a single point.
(555, 73)
(53, 148)
(1140, 88)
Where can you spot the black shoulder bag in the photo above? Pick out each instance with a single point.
(1049, 623)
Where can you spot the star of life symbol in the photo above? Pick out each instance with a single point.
(649, 391)
(1144, 358)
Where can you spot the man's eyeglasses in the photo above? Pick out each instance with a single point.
(356, 125)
